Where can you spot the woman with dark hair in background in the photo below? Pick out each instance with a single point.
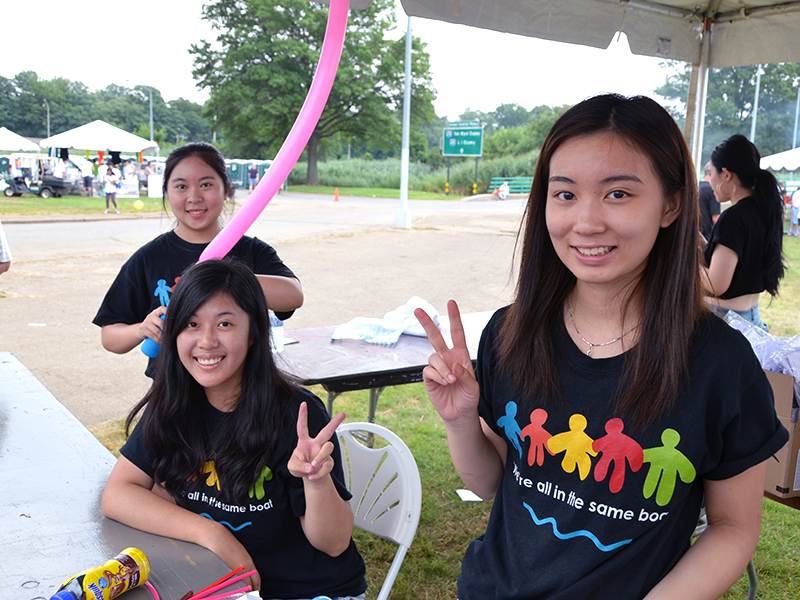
(744, 255)
(608, 402)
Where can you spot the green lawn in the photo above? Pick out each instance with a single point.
(32, 205)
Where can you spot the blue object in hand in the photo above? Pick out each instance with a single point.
(151, 348)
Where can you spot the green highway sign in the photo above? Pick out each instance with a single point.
(462, 141)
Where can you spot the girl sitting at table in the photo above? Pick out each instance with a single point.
(608, 401)
(232, 456)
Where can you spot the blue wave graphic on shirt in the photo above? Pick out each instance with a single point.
(579, 533)
(228, 525)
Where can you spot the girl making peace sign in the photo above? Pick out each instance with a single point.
(646, 402)
(232, 456)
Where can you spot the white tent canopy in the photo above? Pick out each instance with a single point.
(13, 142)
(705, 33)
(98, 135)
(782, 161)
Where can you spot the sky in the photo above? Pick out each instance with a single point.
(146, 43)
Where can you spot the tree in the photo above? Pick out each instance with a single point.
(511, 115)
(730, 102)
(264, 60)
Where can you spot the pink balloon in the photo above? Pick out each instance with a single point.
(296, 140)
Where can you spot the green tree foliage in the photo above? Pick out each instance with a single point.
(730, 102)
(260, 67)
(524, 138)
(511, 115)
(72, 104)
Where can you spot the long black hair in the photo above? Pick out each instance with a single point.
(740, 156)
(668, 291)
(174, 429)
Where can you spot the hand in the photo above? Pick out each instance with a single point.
(231, 551)
(312, 458)
(449, 378)
(152, 324)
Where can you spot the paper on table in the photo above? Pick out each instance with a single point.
(467, 496)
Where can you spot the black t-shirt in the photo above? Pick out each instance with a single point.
(742, 229)
(267, 522)
(590, 507)
(708, 208)
(146, 280)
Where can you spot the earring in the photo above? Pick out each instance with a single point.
(722, 194)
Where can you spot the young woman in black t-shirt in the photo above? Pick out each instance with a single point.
(232, 456)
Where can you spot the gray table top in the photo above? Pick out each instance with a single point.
(355, 364)
(54, 471)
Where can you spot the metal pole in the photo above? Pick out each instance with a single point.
(402, 218)
(796, 114)
(755, 105)
(700, 111)
(151, 113)
(48, 117)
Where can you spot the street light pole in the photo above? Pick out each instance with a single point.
(151, 112)
(48, 117)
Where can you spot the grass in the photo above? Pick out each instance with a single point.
(447, 525)
(32, 205)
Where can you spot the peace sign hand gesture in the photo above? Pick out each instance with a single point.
(312, 458)
(449, 378)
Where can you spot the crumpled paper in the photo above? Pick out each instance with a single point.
(387, 331)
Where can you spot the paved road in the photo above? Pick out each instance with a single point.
(349, 257)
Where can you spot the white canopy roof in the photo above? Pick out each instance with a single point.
(742, 32)
(13, 142)
(98, 135)
(782, 161)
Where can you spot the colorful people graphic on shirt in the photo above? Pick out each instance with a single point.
(509, 424)
(576, 445)
(162, 292)
(258, 488)
(539, 436)
(616, 448)
(666, 463)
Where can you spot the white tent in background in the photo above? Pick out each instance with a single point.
(12, 142)
(782, 161)
(99, 135)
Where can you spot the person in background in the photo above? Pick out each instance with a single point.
(110, 185)
(88, 179)
(196, 185)
(744, 255)
(794, 217)
(608, 404)
(5, 252)
(502, 192)
(709, 207)
(252, 175)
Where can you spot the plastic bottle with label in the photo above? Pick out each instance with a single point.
(127, 570)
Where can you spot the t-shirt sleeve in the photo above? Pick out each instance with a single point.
(125, 302)
(751, 431)
(265, 261)
(317, 419)
(731, 232)
(135, 450)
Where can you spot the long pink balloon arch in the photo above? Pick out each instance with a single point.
(296, 140)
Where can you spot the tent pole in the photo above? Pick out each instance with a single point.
(702, 92)
(691, 105)
(402, 218)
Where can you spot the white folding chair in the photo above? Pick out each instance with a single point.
(387, 492)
